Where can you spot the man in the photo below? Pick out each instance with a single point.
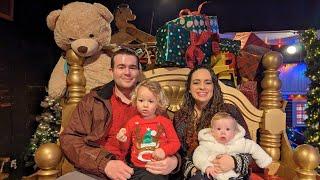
(89, 141)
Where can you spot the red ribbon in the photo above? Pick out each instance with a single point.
(194, 54)
(184, 12)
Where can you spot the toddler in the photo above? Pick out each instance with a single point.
(149, 135)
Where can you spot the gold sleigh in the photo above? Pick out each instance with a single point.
(266, 124)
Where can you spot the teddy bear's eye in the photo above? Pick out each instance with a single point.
(71, 39)
(91, 35)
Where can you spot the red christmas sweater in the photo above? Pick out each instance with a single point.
(144, 136)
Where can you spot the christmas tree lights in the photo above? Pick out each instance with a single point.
(312, 46)
(47, 130)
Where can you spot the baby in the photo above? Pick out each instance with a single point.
(150, 136)
(225, 136)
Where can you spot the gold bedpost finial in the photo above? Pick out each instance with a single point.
(47, 158)
(272, 128)
(307, 158)
(271, 84)
(76, 81)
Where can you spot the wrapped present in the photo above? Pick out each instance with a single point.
(224, 67)
(252, 50)
(223, 59)
(249, 89)
(187, 41)
(248, 64)
(230, 45)
(228, 50)
(257, 50)
(250, 38)
(224, 62)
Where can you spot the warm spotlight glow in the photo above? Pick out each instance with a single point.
(291, 49)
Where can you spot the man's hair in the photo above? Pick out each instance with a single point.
(125, 51)
(223, 115)
(156, 90)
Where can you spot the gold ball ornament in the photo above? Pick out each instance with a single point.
(306, 157)
(48, 156)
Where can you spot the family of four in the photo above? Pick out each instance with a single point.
(121, 130)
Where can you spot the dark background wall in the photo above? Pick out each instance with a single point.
(28, 52)
(27, 55)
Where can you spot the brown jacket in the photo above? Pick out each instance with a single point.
(88, 124)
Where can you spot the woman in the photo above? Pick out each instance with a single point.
(202, 99)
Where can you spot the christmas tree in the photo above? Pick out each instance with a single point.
(312, 46)
(47, 130)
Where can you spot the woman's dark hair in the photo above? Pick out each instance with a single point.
(213, 106)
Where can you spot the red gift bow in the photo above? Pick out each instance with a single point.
(194, 54)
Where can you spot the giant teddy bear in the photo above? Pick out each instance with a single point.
(85, 28)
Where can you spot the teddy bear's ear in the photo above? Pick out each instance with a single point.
(104, 11)
(52, 19)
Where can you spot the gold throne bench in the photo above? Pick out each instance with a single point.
(266, 124)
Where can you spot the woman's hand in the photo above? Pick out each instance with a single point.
(223, 163)
(162, 167)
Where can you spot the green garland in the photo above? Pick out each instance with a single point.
(47, 130)
(312, 45)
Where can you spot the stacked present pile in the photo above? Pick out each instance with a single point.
(249, 64)
(191, 40)
(192, 36)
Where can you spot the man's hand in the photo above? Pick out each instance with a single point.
(121, 136)
(211, 172)
(223, 163)
(162, 167)
(116, 169)
(158, 154)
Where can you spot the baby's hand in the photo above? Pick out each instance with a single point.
(158, 154)
(121, 136)
(211, 172)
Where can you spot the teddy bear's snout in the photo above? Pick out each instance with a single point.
(83, 49)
